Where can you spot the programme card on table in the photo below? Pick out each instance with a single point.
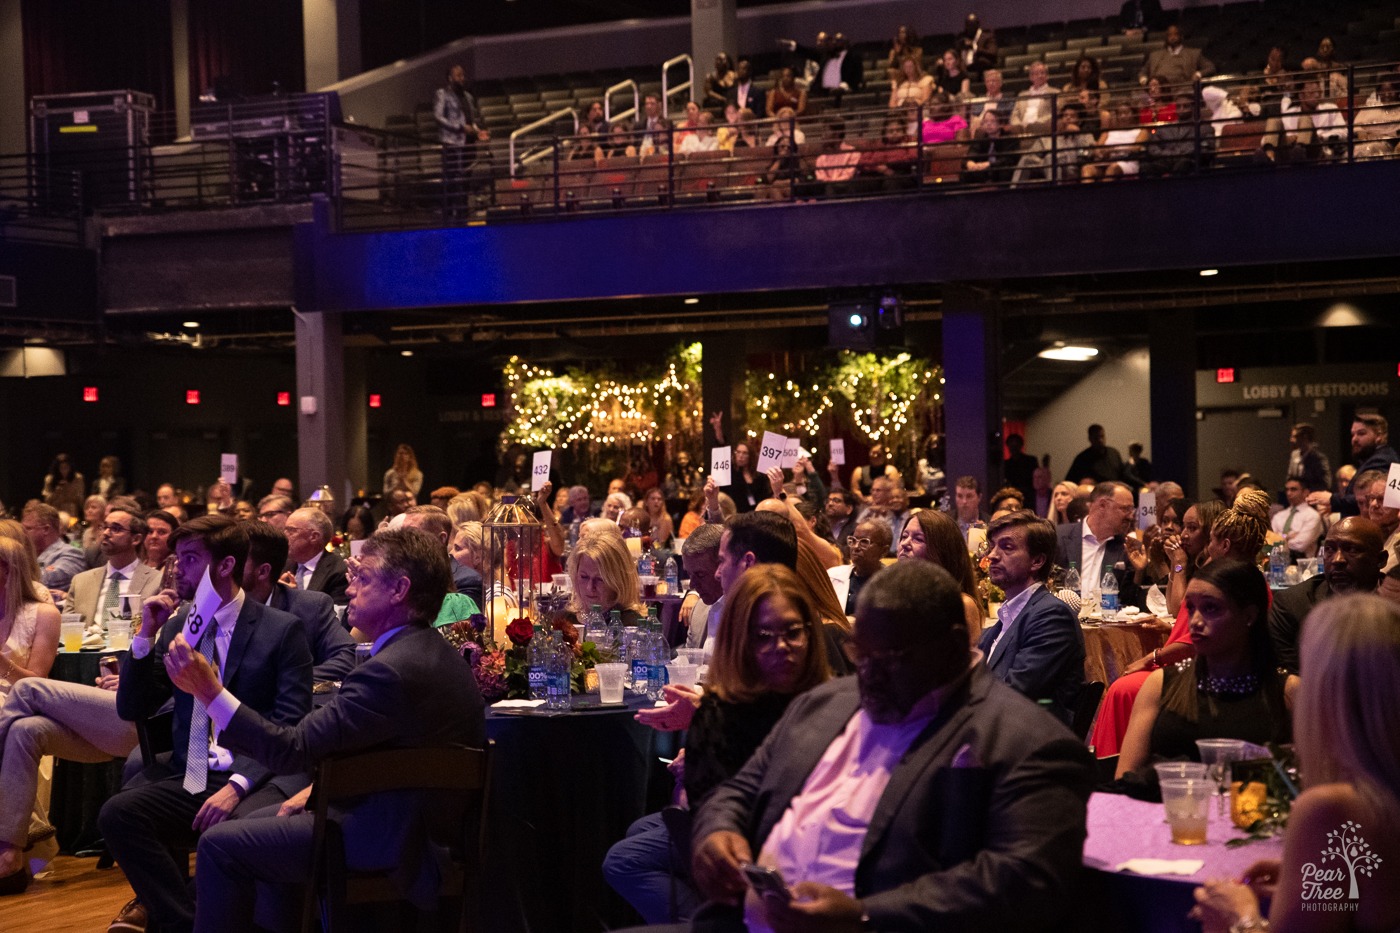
(770, 452)
(539, 472)
(719, 465)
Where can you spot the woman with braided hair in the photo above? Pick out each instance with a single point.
(1230, 534)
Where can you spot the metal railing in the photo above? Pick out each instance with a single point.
(37, 205)
(540, 153)
(667, 91)
(635, 109)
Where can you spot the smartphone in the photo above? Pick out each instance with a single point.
(767, 882)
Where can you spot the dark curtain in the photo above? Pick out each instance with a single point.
(250, 47)
(71, 46)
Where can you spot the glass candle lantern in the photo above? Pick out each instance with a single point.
(513, 537)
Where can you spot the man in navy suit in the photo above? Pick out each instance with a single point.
(1099, 543)
(1036, 645)
(413, 691)
(921, 794)
(309, 565)
(260, 651)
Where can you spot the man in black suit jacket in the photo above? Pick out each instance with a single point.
(981, 820)
(1036, 645)
(413, 691)
(1110, 517)
(1352, 556)
(264, 656)
(309, 565)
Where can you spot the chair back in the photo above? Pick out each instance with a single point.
(459, 774)
(1087, 708)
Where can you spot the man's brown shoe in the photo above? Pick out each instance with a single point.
(132, 919)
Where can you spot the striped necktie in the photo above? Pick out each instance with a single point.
(197, 752)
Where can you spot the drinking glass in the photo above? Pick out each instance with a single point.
(610, 677)
(1187, 802)
(70, 630)
(119, 634)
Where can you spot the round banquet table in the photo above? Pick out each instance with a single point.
(1120, 829)
(1111, 647)
(563, 788)
(80, 790)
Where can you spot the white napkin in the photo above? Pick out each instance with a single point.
(94, 638)
(1162, 866)
(1156, 601)
(517, 704)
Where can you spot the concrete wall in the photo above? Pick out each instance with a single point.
(1114, 395)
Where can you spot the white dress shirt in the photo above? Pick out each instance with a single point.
(1090, 563)
(1008, 613)
(1304, 530)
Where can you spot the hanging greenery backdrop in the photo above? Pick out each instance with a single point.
(889, 400)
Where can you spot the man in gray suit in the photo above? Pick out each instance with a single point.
(1099, 542)
(961, 804)
(1175, 63)
(94, 593)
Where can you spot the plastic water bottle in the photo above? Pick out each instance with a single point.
(657, 655)
(592, 623)
(673, 577)
(558, 670)
(637, 652)
(1278, 564)
(538, 660)
(1108, 596)
(646, 564)
(1072, 578)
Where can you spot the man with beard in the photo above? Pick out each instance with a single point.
(1370, 446)
(860, 799)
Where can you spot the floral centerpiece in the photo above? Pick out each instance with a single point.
(502, 671)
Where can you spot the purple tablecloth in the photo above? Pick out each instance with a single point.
(1120, 829)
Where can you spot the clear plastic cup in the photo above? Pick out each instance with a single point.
(610, 678)
(119, 634)
(682, 673)
(1187, 802)
(70, 631)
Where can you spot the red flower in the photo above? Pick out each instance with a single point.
(564, 622)
(520, 632)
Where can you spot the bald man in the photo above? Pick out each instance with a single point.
(1352, 556)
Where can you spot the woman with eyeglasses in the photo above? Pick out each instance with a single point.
(932, 536)
(768, 649)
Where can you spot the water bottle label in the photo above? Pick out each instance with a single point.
(538, 678)
(1109, 602)
(640, 670)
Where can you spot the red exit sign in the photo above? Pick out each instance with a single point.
(1225, 375)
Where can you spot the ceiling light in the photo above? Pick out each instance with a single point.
(405, 353)
(1342, 314)
(1207, 273)
(190, 324)
(1069, 354)
(692, 301)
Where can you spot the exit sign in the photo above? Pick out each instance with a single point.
(1225, 375)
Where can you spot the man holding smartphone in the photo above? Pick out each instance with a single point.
(919, 793)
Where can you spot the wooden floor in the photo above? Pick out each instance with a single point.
(74, 897)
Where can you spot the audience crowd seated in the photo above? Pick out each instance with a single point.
(778, 606)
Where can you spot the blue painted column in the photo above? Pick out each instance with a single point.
(972, 394)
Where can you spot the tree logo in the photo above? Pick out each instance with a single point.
(1324, 885)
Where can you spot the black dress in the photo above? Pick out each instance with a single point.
(1221, 716)
(722, 737)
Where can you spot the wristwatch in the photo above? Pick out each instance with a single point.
(1177, 568)
(1254, 924)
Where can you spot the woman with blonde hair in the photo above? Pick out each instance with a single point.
(1345, 722)
(603, 575)
(1060, 498)
(404, 474)
(932, 536)
(768, 650)
(28, 621)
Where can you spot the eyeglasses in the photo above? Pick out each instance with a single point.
(853, 541)
(271, 512)
(863, 659)
(115, 529)
(793, 636)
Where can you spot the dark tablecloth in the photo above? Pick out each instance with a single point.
(563, 789)
(79, 790)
